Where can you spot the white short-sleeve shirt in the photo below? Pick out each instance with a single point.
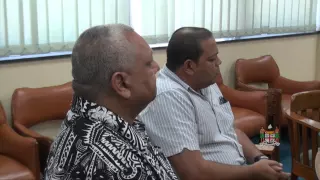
(181, 118)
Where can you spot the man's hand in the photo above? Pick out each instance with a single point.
(268, 170)
(285, 175)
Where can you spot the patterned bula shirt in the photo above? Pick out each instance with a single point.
(95, 143)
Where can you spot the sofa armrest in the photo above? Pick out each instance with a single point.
(44, 142)
(22, 130)
(289, 86)
(245, 87)
(253, 100)
(22, 149)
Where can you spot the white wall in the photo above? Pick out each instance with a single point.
(296, 57)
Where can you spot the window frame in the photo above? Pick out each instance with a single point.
(66, 54)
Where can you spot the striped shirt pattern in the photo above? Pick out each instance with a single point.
(181, 118)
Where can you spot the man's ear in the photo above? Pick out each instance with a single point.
(120, 83)
(189, 67)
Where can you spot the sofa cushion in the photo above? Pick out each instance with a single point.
(11, 169)
(248, 121)
(48, 128)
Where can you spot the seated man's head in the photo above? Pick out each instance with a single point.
(192, 54)
(112, 65)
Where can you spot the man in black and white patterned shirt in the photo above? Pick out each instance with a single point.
(114, 79)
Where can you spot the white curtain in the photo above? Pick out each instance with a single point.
(44, 26)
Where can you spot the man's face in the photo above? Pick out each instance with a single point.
(208, 64)
(143, 74)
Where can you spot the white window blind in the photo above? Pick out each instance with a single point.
(44, 26)
(156, 20)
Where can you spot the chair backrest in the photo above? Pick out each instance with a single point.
(303, 133)
(34, 105)
(263, 69)
(3, 118)
(307, 104)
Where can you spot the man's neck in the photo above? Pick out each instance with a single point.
(128, 113)
(188, 81)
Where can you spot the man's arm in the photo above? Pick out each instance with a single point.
(171, 125)
(249, 149)
(190, 165)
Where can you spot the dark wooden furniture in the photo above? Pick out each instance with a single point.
(317, 165)
(273, 116)
(303, 125)
(270, 151)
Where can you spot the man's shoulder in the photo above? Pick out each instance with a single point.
(165, 84)
(82, 143)
(167, 99)
(167, 81)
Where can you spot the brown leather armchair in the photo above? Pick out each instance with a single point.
(264, 69)
(249, 108)
(38, 113)
(19, 158)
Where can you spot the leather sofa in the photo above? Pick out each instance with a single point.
(19, 158)
(249, 108)
(38, 113)
(264, 69)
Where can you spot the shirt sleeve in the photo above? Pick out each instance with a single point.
(170, 123)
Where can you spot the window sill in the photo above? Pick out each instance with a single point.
(54, 55)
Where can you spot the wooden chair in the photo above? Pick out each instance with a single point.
(304, 126)
(317, 165)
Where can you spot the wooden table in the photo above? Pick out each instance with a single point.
(271, 151)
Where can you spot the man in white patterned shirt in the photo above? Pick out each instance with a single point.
(192, 122)
(113, 80)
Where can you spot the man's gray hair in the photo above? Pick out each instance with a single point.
(99, 52)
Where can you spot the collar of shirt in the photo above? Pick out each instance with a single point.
(167, 72)
(102, 116)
